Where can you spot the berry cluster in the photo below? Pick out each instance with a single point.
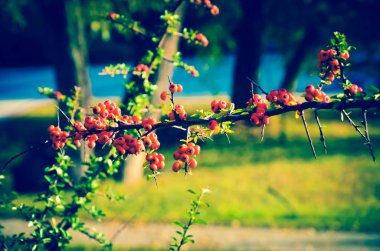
(258, 117)
(353, 89)
(140, 68)
(151, 141)
(178, 110)
(316, 94)
(128, 145)
(202, 39)
(182, 156)
(107, 110)
(58, 137)
(175, 88)
(218, 105)
(329, 64)
(281, 97)
(95, 123)
(92, 140)
(148, 123)
(129, 120)
(207, 3)
(156, 161)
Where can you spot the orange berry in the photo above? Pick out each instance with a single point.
(179, 88)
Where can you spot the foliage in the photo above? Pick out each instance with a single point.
(118, 135)
(193, 214)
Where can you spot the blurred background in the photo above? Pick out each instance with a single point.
(272, 184)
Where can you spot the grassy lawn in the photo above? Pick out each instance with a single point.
(275, 183)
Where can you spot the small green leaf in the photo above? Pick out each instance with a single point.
(191, 191)
(373, 88)
(200, 221)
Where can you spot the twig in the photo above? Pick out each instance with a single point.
(258, 86)
(322, 136)
(308, 135)
(365, 124)
(31, 148)
(262, 133)
(64, 114)
(354, 125)
(228, 138)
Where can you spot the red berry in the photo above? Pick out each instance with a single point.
(164, 96)
(192, 163)
(176, 166)
(213, 124)
(173, 88)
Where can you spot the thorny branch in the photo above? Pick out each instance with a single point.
(365, 124)
(322, 136)
(308, 134)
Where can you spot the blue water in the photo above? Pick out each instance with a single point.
(215, 78)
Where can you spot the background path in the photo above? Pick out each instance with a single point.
(224, 238)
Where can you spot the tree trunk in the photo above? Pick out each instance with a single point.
(71, 57)
(133, 172)
(294, 64)
(249, 45)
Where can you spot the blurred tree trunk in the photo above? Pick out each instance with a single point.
(249, 45)
(133, 171)
(70, 56)
(297, 58)
(71, 59)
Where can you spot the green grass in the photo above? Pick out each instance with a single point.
(275, 183)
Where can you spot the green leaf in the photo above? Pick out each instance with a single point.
(178, 223)
(373, 88)
(191, 191)
(200, 221)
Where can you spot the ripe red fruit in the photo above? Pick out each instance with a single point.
(164, 96)
(197, 150)
(284, 98)
(153, 167)
(182, 115)
(171, 115)
(173, 88)
(192, 163)
(213, 124)
(214, 10)
(160, 165)
(309, 97)
(266, 120)
(112, 15)
(184, 157)
(215, 105)
(91, 144)
(176, 166)
(179, 88)
(255, 120)
(345, 55)
(310, 88)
